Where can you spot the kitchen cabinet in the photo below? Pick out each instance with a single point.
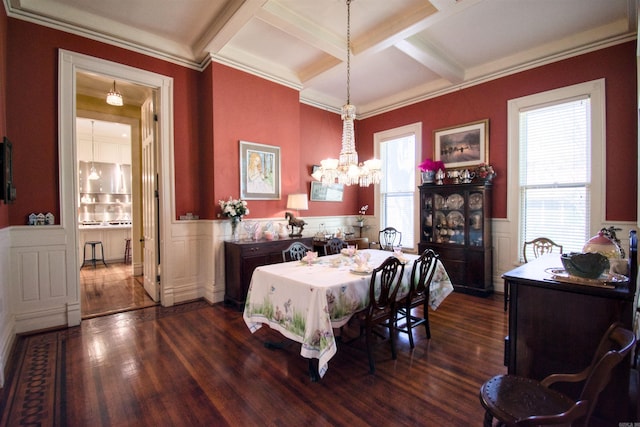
(242, 257)
(455, 221)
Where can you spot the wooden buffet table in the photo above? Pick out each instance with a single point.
(555, 327)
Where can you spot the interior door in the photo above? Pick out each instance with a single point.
(150, 249)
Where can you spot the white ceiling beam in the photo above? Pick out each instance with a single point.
(231, 20)
(429, 56)
(274, 14)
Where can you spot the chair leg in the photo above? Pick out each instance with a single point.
(409, 330)
(369, 339)
(425, 316)
(392, 339)
(488, 419)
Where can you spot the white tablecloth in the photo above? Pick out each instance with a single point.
(305, 302)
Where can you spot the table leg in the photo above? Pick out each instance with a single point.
(314, 374)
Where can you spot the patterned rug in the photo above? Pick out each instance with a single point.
(34, 394)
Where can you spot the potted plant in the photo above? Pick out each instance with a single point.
(361, 213)
(428, 169)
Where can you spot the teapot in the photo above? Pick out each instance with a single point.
(467, 176)
(439, 176)
(455, 175)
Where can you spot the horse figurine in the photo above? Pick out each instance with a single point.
(293, 223)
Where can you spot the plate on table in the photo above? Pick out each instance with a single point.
(361, 272)
(348, 253)
(475, 201)
(455, 201)
(608, 280)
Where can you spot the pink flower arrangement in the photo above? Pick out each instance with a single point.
(484, 170)
(431, 165)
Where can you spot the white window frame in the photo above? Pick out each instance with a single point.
(596, 91)
(396, 133)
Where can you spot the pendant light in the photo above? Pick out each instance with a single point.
(114, 97)
(346, 169)
(93, 175)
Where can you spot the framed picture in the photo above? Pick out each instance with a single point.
(462, 146)
(326, 193)
(7, 190)
(259, 171)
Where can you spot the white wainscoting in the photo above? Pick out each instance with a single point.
(42, 296)
(7, 325)
(187, 268)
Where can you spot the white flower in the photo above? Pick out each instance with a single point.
(234, 208)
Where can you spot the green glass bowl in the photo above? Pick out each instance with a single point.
(588, 265)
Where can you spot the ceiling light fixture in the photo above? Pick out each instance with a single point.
(93, 175)
(346, 169)
(114, 97)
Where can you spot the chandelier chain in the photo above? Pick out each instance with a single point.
(348, 51)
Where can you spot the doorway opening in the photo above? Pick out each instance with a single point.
(155, 116)
(108, 171)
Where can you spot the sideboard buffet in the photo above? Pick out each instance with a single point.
(242, 257)
(555, 327)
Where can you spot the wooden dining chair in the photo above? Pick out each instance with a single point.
(334, 246)
(388, 238)
(421, 275)
(515, 400)
(536, 248)
(295, 252)
(383, 290)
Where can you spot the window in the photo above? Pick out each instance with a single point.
(558, 141)
(398, 152)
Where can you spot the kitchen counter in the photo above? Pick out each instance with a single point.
(104, 227)
(113, 238)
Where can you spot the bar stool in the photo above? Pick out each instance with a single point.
(93, 259)
(127, 251)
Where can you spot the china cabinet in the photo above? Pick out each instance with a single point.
(455, 221)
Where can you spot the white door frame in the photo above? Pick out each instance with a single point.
(69, 63)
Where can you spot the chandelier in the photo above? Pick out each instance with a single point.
(346, 169)
(114, 97)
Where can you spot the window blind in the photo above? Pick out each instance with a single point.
(398, 186)
(555, 173)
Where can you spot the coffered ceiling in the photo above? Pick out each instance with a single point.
(403, 51)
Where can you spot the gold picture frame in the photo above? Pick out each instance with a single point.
(463, 145)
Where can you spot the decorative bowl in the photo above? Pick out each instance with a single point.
(588, 265)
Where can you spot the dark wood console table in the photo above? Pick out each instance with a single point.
(555, 327)
(242, 257)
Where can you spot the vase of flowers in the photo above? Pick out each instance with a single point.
(361, 213)
(428, 169)
(234, 209)
(485, 172)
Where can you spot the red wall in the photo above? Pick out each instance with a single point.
(489, 101)
(4, 210)
(249, 108)
(32, 115)
(220, 106)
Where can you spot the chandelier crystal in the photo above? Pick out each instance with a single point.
(346, 169)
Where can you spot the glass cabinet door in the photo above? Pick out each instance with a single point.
(476, 218)
(449, 217)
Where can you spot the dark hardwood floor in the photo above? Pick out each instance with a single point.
(197, 364)
(112, 289)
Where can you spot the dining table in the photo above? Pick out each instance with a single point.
(306, 301)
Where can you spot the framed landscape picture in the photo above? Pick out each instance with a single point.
(259, 171)
(326, 193)
(462, 146)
